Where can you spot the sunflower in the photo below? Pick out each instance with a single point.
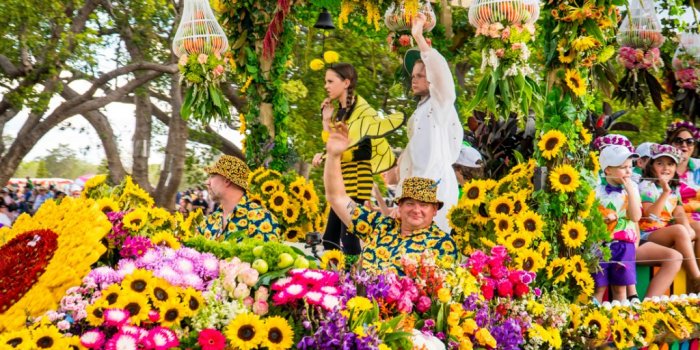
(192, 299)
(530, 222)
(458, 217)
(246, 331)
(291, 213)
(95, 313)
(595, 163)
(566, 55)
(577, 264)
(279, 334)
(112, 293)
(573, 233)
(678, 325)
(320, 223)
(271, 186)
(278, 201)
(586, 136)
(134, 196)
(622, 335)
(646, 331)
(503, 225)
(481, 215)
(520, 201)
(598, 323)
(16, 339)
(48, 337)
(70, 235)
(473, 193)
(529, 260)
(254, 198)
(558, 269)
(165, 238)
(574, 82)
(297, 187)
(564, 178)
(310, 198)
(544, 248)
(293, 234)
(139, 281)
(333, 260)
(500, 206)
(517, 242)
(107, 205)
(136, 219)
(585, 281)
(489, 184)
(160, 291)
(171, 312)
(584, 43)
(255, 175)
(551, 142)
(137, 305)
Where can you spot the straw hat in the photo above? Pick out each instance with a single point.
(420, 189)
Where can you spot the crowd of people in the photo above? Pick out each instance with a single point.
(27, 198)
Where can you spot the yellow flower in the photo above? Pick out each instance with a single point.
(107, 204)
(383, 346)
(500, 206)
(473, 193)
(158, 216)
(136, 304)
(136, 219)
(573, 234)
(171, 312)
(256, 175)
(586, 136)
(645, 331)
(444, 295)
(139, 281)
(331, 56)
(333, 260)
(134, 196)
(94, 182)
(279, 334)
(529, 260)
(489, 184)
(564, 178)
(594, 162)
(484, 337)
(246, 332)
(598, 324)
(551, 143)
(48, 337)
(558, 269)
(279, 201)
(18, 339)
(77, 228)
(192, 299)
(565, 55)
(517, 242)
(291, 213)
(270, 186)
(544, 248)
(530, 222)
(575, 83)
(316, 64)
(112, 293)
(95, 313)
(160, 291)
(584, 43)
(577, 264)
(606, 54)
(165, 238)
(293, 234)
(297, 187)
(359, 304)
(503, 225)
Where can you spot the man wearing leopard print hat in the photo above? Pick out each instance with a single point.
(237, 218)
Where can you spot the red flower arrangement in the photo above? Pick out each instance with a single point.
(22, 261)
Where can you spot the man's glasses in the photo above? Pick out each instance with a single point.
(679, 141)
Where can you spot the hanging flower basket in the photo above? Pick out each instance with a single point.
(399, 16)
(686, 67)
(639, 38)
(506, 12)
(200, 43)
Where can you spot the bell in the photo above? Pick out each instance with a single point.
(324, 20)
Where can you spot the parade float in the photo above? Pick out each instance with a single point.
(110, 270)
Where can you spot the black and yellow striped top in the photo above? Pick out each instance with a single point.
(369, 152)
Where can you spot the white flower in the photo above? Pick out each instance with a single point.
(424, 341)
(512, 71)
(493, 59)
(524, 52)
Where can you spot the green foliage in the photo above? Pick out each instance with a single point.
(61, 162)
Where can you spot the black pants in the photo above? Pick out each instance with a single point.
(337, 231)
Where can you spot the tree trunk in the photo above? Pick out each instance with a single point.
(175, 152)
(446, 18)
(142, 140)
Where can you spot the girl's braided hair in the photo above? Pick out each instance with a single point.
(346, 71)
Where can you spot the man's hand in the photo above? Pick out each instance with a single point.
(318, 159)
(418, 25)
(337, 140)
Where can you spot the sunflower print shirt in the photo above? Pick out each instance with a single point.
(248, 216)
(386, 246)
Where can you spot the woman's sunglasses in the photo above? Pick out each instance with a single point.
(679, 141)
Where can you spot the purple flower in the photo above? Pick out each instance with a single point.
(508, 335)
(470, 302)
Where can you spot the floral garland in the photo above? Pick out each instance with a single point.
(79, 227)
(204, 99)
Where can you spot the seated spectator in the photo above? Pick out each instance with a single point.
(5, 215)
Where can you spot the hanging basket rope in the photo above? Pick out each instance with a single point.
(199, 32)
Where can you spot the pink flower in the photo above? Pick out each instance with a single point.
(248, 301)
(487, 289)
(63, 325)
(183, 60)
(161, 338)
(404, 40)
(423, 304)
(92, 339)
(122, 341)
(505, 288)
(505, 34)
(211, 339)
(500, 53)
(116, 317)
(390, 38)
(394, 293)
(261, 307)
(476, 262)
(314, 298)
(280, 298)
(499, 251)
(499, 272)
(330, 302)
(281, 283)
(249, 276)
(295, 290)
(261, 294)
(405, 305)
(330, 290)
(241, 291)
(218, 70)
(202, 58)
(153, 316)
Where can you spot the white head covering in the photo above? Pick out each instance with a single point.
(469, 157)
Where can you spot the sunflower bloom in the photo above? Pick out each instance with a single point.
(564, 178)
(107, 204)
(517, 242)
(279, 334)
(473, 193)
(529, 260)
(136, 219)
(550, 143)
(503, 225)
(481, 215)
(245, 332)
(584, 43)
(573, 234)
(333, 260)
(530, 222)
(165, 238)
(171, 312)
(575, 83)
(278, 202)
(500, 206)
(598, 323)
(137, 305)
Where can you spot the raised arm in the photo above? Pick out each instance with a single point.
(437, 71)
(339, 200)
